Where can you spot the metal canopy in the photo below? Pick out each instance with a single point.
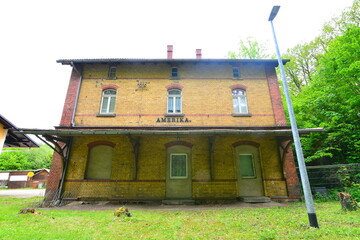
(14, 138)
(208, 131)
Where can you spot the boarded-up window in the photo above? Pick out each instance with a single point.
(247, 166)
(99, 162)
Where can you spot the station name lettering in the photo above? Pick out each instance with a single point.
(177, 120)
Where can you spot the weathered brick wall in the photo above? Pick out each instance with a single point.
(206, 101)
(122, 190)
(70, 100)
(54, 177)
(151, 180)
(275, 96)
(206, 93)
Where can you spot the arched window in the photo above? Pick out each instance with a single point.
(108, 101)
(174, 101)
(239, 101)
(99, 162)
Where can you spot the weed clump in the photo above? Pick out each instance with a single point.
(122, 211)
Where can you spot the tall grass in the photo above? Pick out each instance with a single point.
(245, 223)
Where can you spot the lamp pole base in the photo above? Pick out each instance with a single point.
(313, 220)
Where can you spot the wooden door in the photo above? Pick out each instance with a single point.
(249, 174)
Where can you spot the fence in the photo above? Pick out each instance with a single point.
(324, 177)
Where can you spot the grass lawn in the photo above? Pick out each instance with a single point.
(245, 223)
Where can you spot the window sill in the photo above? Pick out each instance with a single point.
(238, 78)
(174, 115)
(111, 78)
(241, 115)
(174, 78)
(106, 115)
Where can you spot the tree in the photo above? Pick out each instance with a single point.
(35, 158)
(332, 101)
(304, 58)
(250, 49)
(302, 65)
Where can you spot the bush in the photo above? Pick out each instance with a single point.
(331, 196)
(354, 191)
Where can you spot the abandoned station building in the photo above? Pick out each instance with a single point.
(181, 130)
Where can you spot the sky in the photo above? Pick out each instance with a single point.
(34, 34)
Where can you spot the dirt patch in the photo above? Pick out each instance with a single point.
(99, 206)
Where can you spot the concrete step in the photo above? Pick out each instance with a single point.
(178, 202)
(255, 199)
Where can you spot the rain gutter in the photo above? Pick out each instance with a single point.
(77, 94)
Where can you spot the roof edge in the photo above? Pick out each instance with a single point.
(133, 60)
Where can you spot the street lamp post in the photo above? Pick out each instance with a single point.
(299, 153)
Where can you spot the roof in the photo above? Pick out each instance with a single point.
(14, 138)
(134, 60)
(280, 131)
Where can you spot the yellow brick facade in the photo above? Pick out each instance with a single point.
(206, 95)
(140, 162)
(151, 174)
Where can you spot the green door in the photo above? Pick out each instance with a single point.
(249, 174)
(178, 173)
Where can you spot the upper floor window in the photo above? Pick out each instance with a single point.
(239, 101)
(112, 72)
(108, 101)
(236, 72)
(174, 72)
(174, 101)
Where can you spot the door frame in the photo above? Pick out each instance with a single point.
(183, 184)
(258, 172)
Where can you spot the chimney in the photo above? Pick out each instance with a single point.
(169, 51)
(198, 53)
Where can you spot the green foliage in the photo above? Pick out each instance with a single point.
(354, 190)
(326, 90)
(35, 158)
(332, 196)
(304, 58)
(249, 49)
(332, 101)
(350, 182)
(301, 68)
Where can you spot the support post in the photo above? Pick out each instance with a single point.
(211, 156)
(135, 142)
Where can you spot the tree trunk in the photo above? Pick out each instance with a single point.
(347, 202)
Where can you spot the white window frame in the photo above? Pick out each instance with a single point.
(173, 97)
(253, 165)
(109, 97)
(237, 98)
(186, 166)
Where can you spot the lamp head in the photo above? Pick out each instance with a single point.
(274, 12)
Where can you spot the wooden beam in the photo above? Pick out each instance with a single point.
(211, 156)
(135, 142)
